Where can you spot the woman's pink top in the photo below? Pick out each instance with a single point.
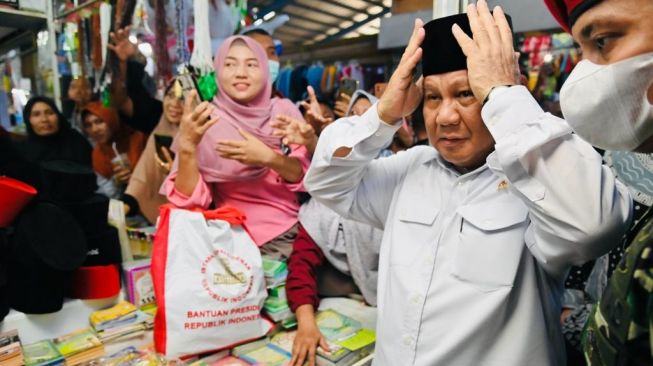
(269, 202)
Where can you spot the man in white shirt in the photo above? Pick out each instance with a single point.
(479, 231)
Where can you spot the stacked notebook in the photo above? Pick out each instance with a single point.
(275, 272)
(120, 322)
(261, 352)
(140, 289)
(348, 343)
(42, 353)
(11, 353)
(79, 346)
(276, 304)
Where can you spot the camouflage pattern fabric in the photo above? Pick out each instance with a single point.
(620, 329)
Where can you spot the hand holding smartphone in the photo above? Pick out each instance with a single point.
(163, 141)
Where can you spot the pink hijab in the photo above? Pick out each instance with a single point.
(253, 117)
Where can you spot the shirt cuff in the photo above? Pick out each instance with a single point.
(367, 135)
(509, 111)
(200, 198)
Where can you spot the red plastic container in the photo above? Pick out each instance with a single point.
(14, 195)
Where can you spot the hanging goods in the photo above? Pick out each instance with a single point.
(105, 27)
(182, 25)
(208, 282)
(201, 58)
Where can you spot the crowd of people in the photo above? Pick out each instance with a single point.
(454, 203)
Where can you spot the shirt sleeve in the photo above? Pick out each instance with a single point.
(200, 198)
(301, 283)
(300, 153)
(147, 109)
(578, 209)
(357, 186)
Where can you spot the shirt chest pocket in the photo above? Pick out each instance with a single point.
(413, 236)
(491, 244)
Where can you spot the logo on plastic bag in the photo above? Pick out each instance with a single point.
(226, 278)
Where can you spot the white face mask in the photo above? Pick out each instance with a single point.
(274, 70)
(607, 105)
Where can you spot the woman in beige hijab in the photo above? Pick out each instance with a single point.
(154, 166)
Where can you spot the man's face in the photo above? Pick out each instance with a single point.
(453, 120)
(79, 91)
(267, 43)
(615, 30)
(96, 128)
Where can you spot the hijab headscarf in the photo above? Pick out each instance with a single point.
(253, 117)
(65, 144)
(127, 140)
(358, 94)
(147, 177)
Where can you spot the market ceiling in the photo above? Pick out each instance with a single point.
(318, 22)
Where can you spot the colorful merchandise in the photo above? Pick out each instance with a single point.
(42, 353)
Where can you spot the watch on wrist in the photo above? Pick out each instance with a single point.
(492, 90)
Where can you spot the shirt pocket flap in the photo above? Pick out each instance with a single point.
(419, 214)
(496, 217)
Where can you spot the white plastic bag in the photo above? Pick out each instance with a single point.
(208, 282)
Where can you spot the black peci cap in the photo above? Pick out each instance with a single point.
(441, 52)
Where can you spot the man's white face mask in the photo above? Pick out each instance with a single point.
(607, 105)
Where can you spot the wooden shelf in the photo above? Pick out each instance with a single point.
(21, 19)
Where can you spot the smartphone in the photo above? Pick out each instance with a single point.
(163, 141)
(348, 86)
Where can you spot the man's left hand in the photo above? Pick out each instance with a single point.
(490, 54)
(250, 151)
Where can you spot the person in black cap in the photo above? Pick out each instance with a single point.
(481, 227)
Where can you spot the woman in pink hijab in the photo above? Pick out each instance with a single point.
(227, 154)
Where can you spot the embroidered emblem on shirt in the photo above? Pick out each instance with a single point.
(503, 185)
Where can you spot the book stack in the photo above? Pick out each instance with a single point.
(262, 352)
(11, 353)
(140, 289)
(120, 322)
(276, 305)
(220, 361)
(348, 342)
(42, 353)
(79, 347)
(275, 272)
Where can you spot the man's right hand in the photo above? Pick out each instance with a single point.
(194, 122)
(402, 95)
(121, 45)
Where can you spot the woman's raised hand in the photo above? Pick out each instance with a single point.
(313, 110)
(293, 131)
(194, 122)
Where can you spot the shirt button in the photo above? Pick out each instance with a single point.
(416, 299)
(378, 134)
(408, 340)
(429, 261)
(461, 183)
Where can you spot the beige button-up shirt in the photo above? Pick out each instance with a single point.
(472, 265)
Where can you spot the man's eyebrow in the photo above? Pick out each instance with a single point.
(586, 32)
